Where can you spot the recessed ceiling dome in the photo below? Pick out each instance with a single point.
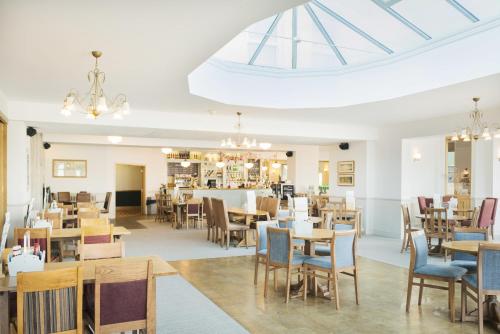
(330, 34)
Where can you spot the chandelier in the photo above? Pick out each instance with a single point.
(242, 143)
(477, 129)
(95, 103)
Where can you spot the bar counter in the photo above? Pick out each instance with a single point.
(234, 197)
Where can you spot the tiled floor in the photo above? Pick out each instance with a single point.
(226, 278)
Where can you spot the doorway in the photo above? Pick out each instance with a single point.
(130, 190)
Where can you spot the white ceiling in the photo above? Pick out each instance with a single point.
(151, 46)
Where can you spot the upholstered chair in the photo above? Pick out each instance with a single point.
(465, 260)
(261, 244)
(420, 269)
(488, 208)
(325, 250)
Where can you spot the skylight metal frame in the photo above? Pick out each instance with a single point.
(265, 38)
(294, 37)
(388, 9)
(464, 11)
(325, 34)
(351, 26)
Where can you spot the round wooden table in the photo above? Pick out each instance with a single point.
(465, 246)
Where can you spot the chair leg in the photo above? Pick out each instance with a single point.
(266, 280)
(451, 292)
(256, 272)
(336, 291)
(228, 237)
(408, 292)
(305, 283)
(275, 276)
(420, 291)
(245, 236)
(208, 233)
(463, 297)
(480, 312)
(356, 292)
(288, 277)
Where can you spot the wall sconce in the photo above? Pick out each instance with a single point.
(417, 156)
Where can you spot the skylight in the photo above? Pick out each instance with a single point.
(330, 34)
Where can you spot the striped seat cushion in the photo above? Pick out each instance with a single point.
(49, 311)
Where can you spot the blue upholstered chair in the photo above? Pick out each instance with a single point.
(290, 224)
(324, 250)
(485, 282)
(419, 268)
(261, 244)
(464, 260)
(280, 255)
(343, 248)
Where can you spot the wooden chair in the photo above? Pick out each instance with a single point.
(420, 269)
(159, 207)
(487, 214)
(38, 292)
(343, 247)
(464, 260)
(101, 251)
(485, 282)
(226, 227)
(5, 233)
(97, 234)
(193, 212)
(207, 207)
(258, 202)
(272, 207)
(57, 222)
(280, 255)
(107, 201)
(436, 225)
(124, 298)
(407, 228)
(87, 213)
(81, 205)
(37, 235)
(168, 209)
(64, 197)
(261, 245)
(94, 221)
(83, 197)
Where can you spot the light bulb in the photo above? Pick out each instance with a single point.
(497, 133)
(220, 164)
(185, 163)
(276, 165)
(467, 138)
(101, 104)
(264, 168)
(117, 115)
(166, 150)
(65, 112)
(486, 133)
(455, 136)
(265, 146)
(248, 165)
(463, 134)
(115, 139)
(254, 142)
(126, 108)
(223, 143)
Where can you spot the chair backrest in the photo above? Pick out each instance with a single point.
(207, 208)
(55, 217)
(343, 248)
(193, 206)
(272, 207)
(94, 221)
(38, 293)
(419, 250)
(279, 246)
(63, 196)
(85, 213)
(424, 203)
(300, 204)
(101, 251)
(97, 234)
(81, 205)
(261, 231)
(486, 212)
(494, 213)
(5, 232)
(258, 202)
(220, 210)
(436, 223)
(124, 297)
(68, 209)
(406, 217)
(83, 196)
(167, 202)
(488, 268)
(107, 200)
(37, 235)
(467, 233)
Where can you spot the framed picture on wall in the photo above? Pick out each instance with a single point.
(345, 180)
(345, 166)
(69, 168)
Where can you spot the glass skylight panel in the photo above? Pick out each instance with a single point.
(358, 32)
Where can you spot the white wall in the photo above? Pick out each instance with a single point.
(101, 167)
(128, 177)
(358, 153)
(303, 167)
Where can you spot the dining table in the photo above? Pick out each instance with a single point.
(61, 234)
(249, 216)
(8, 284)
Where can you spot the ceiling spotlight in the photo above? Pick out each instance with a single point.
(264, 168)
(265, 146)
(248, 165)
(115, 139)
(185, 163)
(276, 165)
(220, 164)
(166, 150)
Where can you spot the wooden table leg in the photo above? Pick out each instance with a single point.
(4, 312)
(250, 234)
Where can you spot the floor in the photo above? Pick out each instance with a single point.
(224, 289)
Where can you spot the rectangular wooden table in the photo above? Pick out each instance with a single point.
(9, 284)
(76, 233)
(248, 219)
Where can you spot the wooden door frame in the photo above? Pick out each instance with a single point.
(3, 169)
(143, 188)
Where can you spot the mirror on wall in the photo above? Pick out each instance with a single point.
(458, 171)
(69, 168)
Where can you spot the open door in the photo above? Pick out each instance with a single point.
(130, 190)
